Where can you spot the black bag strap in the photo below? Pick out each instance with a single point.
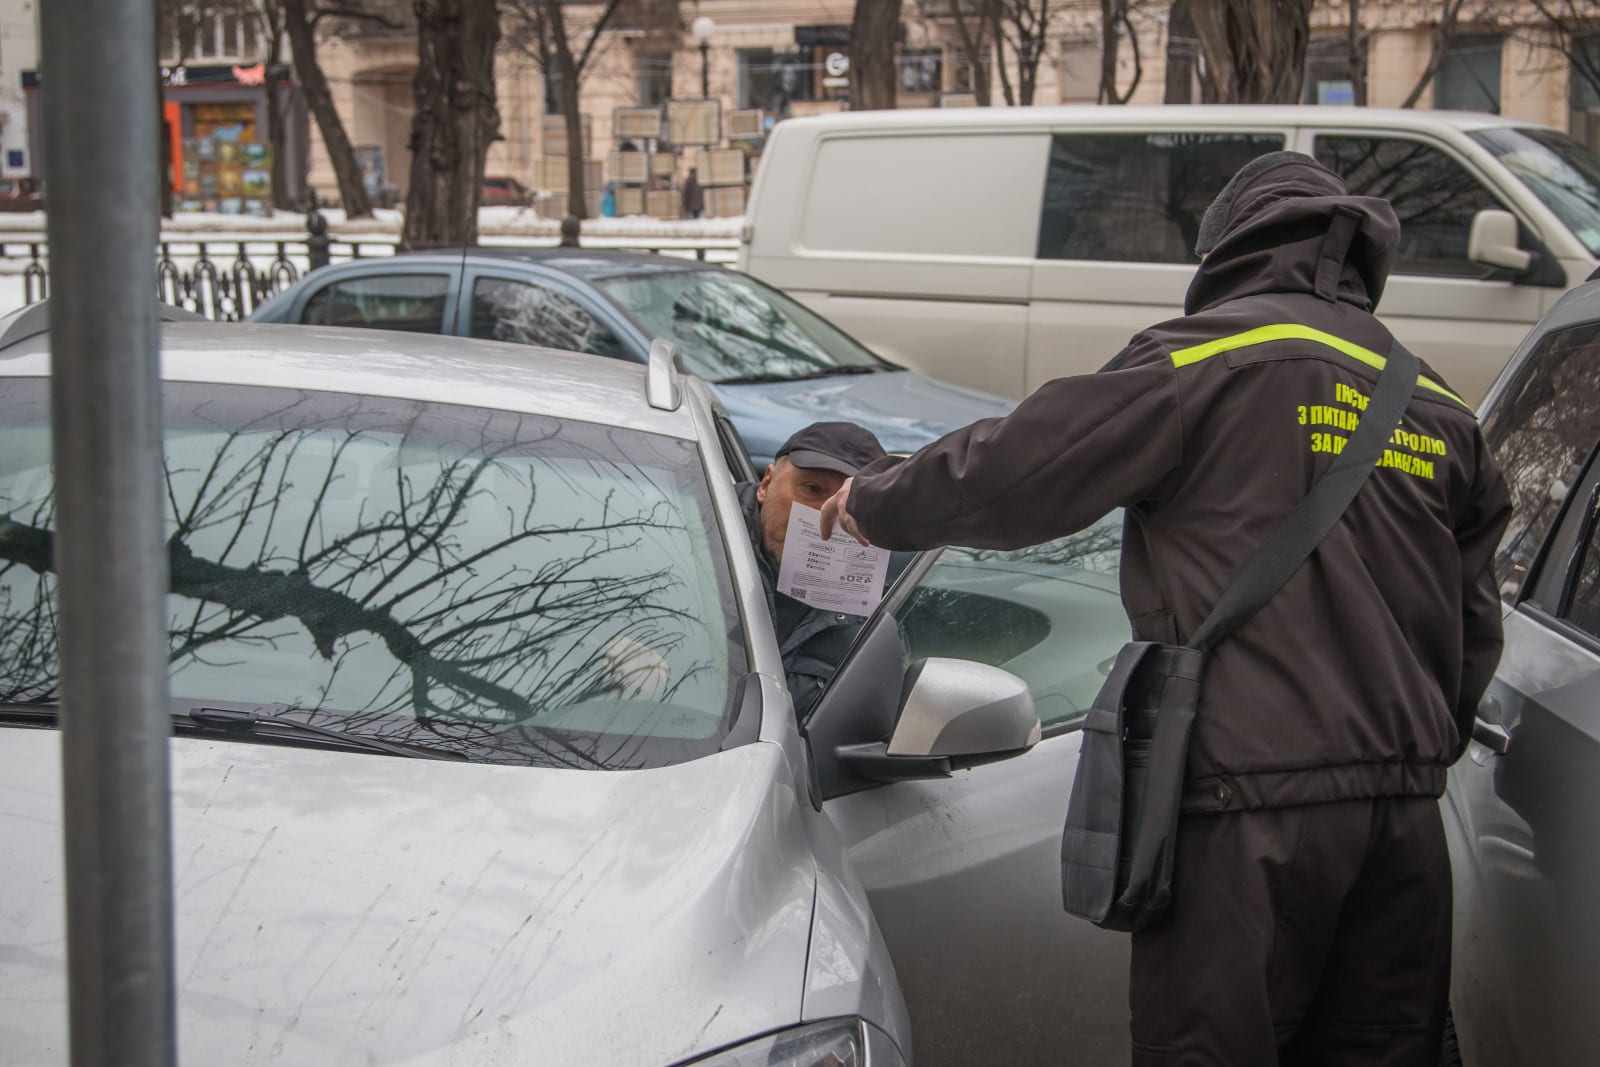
(1276, 561)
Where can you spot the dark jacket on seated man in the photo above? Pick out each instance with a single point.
(808, 469)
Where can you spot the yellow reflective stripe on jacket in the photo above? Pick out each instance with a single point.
(1294, 332)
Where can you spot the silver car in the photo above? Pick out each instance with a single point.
(482, 751)
(1520, 809)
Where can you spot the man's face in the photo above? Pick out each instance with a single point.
(781, 487)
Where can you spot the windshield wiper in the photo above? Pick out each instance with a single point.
(808, 376)
(234, 719)
(241, 720)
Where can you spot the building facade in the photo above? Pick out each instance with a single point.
(790, 57)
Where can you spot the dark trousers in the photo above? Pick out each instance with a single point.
(1312, 935)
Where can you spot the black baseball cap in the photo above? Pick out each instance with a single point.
(832, 446)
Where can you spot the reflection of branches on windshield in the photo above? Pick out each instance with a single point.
(717, 318)
(490, 614)
(1096, 548)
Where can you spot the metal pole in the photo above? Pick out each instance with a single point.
(101, 137)
(705, 76)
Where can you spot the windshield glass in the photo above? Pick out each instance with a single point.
(731, 328)
(509, 587)
(1558, 170)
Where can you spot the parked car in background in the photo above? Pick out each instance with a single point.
(483, 753)
(504, 192)
(773, 363)
(1520, 810)
(21, 194)
(1003, 247)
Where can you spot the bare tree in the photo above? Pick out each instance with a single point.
(301, 19)
(1115, 26)
(1254, 50)
(1021, 27)
(1356, 42)
(1571, 30)
(973, 20)
(1453, 15)
(455, 121)
(565, 54)
(874, 32)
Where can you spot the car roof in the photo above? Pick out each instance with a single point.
(1178, 117)
(588, 263)
(410, 366)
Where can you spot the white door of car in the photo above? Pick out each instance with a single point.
(1520, 808)
(963, 874)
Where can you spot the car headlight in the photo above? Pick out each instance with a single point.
(832, 1043)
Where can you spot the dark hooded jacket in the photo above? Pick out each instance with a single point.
(1361, 678)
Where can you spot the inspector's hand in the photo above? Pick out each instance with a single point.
(834, 513)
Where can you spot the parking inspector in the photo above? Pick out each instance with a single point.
(1305, 915)
(809, 468)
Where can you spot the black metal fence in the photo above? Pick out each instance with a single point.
(227, 279)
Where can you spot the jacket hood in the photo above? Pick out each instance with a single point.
(1294, 228)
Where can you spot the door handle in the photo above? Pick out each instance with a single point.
(1491, 736)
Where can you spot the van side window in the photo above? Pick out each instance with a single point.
(1434, 195)
(1137, 197)
(1541, 432)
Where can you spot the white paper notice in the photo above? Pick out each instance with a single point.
(837, 575)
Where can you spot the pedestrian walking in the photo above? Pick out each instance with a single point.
(694, 197)
(1310, 912)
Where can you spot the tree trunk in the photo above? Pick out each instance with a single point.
(973, 45)
(997, 32)
(1255, 50)
(1114, 17)
(454, 123)
(1356, 46)
(319, 101)
(277, 121)
(873, 34)
(1180, 55)
(567, 74)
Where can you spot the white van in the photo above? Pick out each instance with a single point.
(1000, 248)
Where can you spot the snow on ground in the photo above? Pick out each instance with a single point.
(498, 226)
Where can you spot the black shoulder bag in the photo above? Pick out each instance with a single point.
(1122, 822)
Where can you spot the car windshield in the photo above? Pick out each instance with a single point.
(1558, 170)
(506, 587)
(732, 329)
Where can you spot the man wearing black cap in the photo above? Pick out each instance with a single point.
(1310, 912)
(809, 468)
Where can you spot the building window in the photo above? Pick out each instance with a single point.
(1328, 72)
(1080, 72)
(1469, 75)
(188, 37)
(922, 70)
(772, 80)
(653, 73)
(1585, 82)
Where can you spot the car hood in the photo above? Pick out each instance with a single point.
(335, 908)
(905, 409)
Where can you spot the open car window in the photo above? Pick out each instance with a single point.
(1050, 614)
(506, 587)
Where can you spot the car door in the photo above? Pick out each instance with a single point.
(1519, 810)
(1464, 318)
(414, 299)
(538, 310)
(964, 873)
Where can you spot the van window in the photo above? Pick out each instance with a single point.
(1434, 195)
(954, 194)
(1541, 431)
(1138, 197)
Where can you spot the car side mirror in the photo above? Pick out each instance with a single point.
(954, 714)
(1493, 241)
